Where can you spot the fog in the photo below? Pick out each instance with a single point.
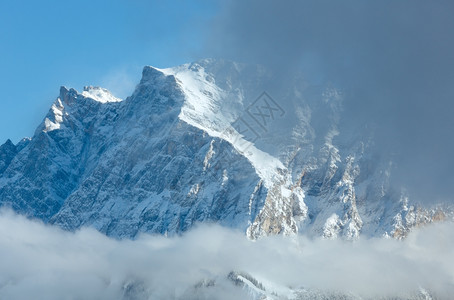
(393, 60)
(43, 262)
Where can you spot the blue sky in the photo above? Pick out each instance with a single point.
(46, 44)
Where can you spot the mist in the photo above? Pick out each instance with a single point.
(393, 61)
(40, 261)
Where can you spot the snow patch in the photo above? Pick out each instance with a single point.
(208, 156)
(225, 177)
(57, 116)
(99, 94)
(194, 190)
(332, 227)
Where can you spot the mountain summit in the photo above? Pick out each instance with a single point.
(210, 141)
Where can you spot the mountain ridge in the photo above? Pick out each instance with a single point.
(173, 154)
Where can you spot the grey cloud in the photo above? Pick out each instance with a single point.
(393, 59)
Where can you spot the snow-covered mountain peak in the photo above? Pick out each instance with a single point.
(213, 109)
(99, 94)
(150, 74)
(71, 106)
(69, 96)
(176, 152)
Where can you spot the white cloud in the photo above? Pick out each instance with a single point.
(39, 261)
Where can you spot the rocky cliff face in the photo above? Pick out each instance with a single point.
(202, 143)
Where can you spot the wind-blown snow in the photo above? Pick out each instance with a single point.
(212, 109)
(99, 94)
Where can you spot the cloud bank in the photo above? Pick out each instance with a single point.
(393, 59)
(39, 261)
